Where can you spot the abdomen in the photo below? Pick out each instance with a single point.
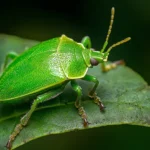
(35, 70)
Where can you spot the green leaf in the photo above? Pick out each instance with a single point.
(124, 93)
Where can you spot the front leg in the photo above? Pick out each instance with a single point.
(86, 41)
(92, 93)
(106, 67)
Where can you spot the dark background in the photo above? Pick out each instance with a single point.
(41, 20)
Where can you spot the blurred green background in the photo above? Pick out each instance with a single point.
(41, 20)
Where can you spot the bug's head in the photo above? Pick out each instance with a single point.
(98, 57)
(102, 55)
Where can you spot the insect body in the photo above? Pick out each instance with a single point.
(45, 69)
(47, 65)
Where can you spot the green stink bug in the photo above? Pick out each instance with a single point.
(44, 70)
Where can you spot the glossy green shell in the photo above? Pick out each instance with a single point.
(44, 66)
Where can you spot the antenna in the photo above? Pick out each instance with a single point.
(118, 43)
(109, 29)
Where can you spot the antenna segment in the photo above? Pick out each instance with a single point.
(109, 32)
(118, 43)
(111, 23)
(109, 29)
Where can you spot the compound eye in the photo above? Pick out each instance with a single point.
(94, 62)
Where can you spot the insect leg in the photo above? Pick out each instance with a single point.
(106, 67)
(11, 55)
(24, 120)
(86, 41)
(92, 93)
(81, 110)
